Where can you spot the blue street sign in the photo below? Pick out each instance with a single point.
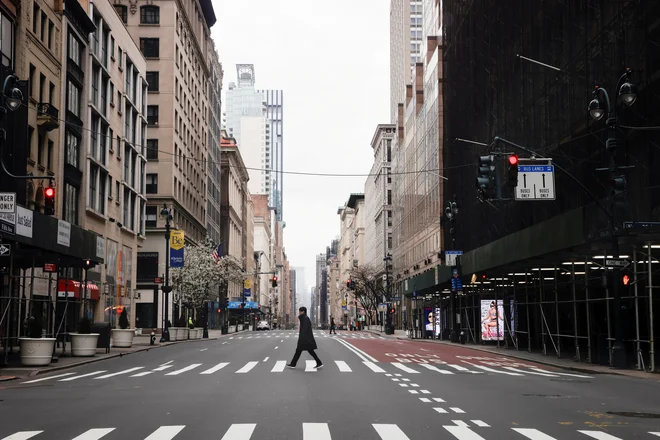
(248, 305)
(536, 168)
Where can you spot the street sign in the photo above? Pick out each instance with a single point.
(50, 267)
(7, 203)
(5, 250)
(617, 263)
(158, 280)
(536, 180)
(451, 257)
(632, 225)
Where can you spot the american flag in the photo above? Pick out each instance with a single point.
(217, 253)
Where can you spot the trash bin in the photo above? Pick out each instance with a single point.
(224, 329)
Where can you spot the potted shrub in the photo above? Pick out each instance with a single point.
(35, 350)
(123, 336)
(84, 342)
(182, 334)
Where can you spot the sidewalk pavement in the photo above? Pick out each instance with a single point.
(539, 358)
(140, 343)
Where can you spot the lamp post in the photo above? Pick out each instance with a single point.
(451, 211)
(597, 109)
(165, 212)
(388, 314)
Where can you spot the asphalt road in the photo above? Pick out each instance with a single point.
(236, 388)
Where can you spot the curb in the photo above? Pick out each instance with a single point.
(7, 378)
(513, 355)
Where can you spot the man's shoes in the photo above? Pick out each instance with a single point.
(291, 366)
(319, 366)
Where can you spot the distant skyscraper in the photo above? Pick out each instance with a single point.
(275, 141)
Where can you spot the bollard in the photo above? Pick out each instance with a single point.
(463, 337)
(152, 339)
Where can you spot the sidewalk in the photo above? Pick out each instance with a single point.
(140, 343)
(567, 364)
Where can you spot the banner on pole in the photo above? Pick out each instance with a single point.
(177, 248)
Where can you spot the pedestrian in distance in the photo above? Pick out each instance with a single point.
(306, 340)
(333, 326)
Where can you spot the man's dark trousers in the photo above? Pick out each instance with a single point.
(296, 356)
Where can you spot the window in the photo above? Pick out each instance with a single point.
(70, 204)
(152, 184)
(149, 14)
(74, 49)
(72, 149)
(152, 216)
(152, 114)
(93, 182)
(35, 17)
(6, 41)
(73, 99)
(150, 47)
(152, 149)
(152, 79)
(123, 12)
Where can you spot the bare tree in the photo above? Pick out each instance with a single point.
(369, 289)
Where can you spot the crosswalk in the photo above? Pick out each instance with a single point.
(289, 335)
(323, 431)
(268, 365)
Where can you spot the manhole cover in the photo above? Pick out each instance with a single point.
(640, 415)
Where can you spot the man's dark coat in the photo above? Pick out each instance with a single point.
(306, 337)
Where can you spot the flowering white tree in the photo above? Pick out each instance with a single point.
(197, 280)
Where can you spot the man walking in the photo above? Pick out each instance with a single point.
(306, 340)
(333, 326)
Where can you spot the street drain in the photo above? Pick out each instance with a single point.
(640, 415)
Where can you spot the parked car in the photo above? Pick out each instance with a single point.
(263, 325)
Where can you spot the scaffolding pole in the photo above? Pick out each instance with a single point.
(651, 330)
(575, 320)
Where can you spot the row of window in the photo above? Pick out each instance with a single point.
(149, 14)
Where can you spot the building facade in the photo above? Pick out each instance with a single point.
(274, 100)
(293, 312)
(214, 136)
(335, 295)
(263, 250)
(351, 248)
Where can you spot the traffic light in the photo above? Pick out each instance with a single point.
(274, 281)
(486, 175)
(619, 186)
(226, 303)
(49, 201)
(512, 171)
(627, 279)
(348, 284)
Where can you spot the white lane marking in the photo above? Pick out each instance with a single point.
(440, 410)
(249, 337)
(310, 365)
(168, 362)
(23, 435)
(144, 373)
(239, 431)
(413, 391)
(490, 370)
(247, 367)
(424, 349)
(203, 349)
(165, 432)
(343, 366)
(460, 423)
(390, 432)
(463, 433)
(183, 370)
(481, 423)
(657, 434)
(397, 375)
(276, 347)
(94, 434)
(414, 385)
(404, 368)
(529, 372)
(405, 385)
(279, 366)
(425, 399)
(46, 378)
(426, 392)
(562, 374)
(282, 340)
(388, 375)
(533, 434)
(457, 410)
(218, 367)
(240, 337)
(406, 380)
(226, 343)
(231, 337)
(163, 367)
(434, 368)
(316, 431)
(394, 379)
(437, 399)
(459, 368)
(266, 358)
(82, 375)
(130, 370)
(364, 356)
(375, 368)
(600, 435)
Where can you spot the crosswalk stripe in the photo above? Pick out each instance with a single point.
(460, 423)
(434, 368)
(94, 434)
(247, 367)
(309, 365)
(23, 435)
(600, 435)
(481, 423)
(529, 372)
(490, 370)
(657, 434)
(582, 376)
(162, 368)
(440, 410)
(105, 376)
(279, 366)
(463, 433)
(165, 432)
(375, 368)
(316, 431)
(457, 367)
(144, 373)
(212, 370)
(47, 378)
(182, 370)
(390, 432)
(533, 434)
(404, 368)
(343, 366)
(438, 399)
(82, 375)
(239, 431)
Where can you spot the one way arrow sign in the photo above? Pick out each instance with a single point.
(617, 263)
(5, 250)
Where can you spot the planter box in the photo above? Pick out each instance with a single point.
(192, 333)
(84, 345)
(122, 338)
(173, 332)
(200, 332)
(36, 351)
(182, 334)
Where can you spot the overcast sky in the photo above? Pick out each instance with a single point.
(332, 61)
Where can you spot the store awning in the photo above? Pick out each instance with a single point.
(72, 289)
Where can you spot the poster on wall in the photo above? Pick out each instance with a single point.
(492, 320)
(432, 320)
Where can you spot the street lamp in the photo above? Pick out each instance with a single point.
(165, 212)
(598, 109)
(388, 314)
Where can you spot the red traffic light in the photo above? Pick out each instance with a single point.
(274, 278)
(513, 160)
(626, 280)
(50, 192)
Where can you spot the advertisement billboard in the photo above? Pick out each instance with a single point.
(432, 320)
(492, 320)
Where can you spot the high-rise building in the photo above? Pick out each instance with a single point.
(214, 138)
(320, 298)
(275, 144)
(293, 290)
